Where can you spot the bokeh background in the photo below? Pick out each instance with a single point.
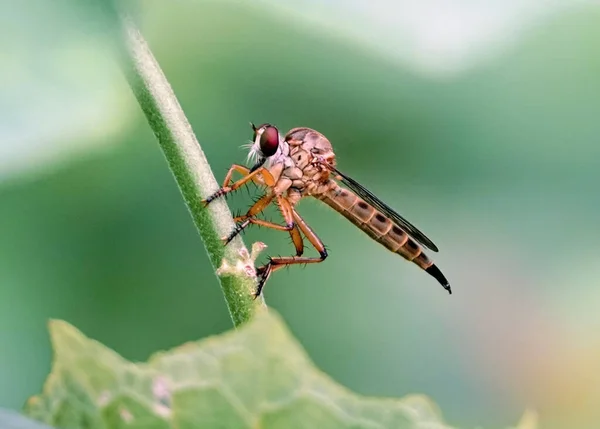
(479, 121)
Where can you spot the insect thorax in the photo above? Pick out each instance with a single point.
(307, 175)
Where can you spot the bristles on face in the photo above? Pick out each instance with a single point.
(253, 151)
(253, 146)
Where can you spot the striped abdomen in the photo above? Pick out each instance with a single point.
(379, 227)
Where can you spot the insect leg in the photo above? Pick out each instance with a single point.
(276, 263)
(244, 171)
(286, 210)
(260, 175)
(246, 219)
(288, 214)
(294, 232)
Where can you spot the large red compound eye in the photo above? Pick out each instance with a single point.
(269, 141)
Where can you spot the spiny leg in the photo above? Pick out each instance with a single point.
(294, 232)
(260, 175)
(297, 240)
(244, 171)
(276, 263)
(246, 219)
(286, 210)
(288, 214)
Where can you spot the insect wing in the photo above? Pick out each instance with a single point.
(369, 197)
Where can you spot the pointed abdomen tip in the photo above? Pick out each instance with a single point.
(435, 272)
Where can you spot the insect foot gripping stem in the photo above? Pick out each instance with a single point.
(263, 273)
(245, 264)
(221, 192)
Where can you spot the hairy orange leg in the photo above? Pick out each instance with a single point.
(294, 232)
(245, 220)
(288, 214)
(276, 263)
(286, 209)
(260, 175)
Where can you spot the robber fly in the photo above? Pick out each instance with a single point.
(301, 164)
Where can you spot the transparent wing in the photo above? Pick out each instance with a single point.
(369, 197)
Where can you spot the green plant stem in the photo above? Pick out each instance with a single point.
(189, 166)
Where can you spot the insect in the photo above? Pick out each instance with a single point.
(301, 164)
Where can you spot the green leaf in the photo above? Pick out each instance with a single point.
(12, 420)
(255, 377)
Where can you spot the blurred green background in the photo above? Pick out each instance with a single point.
(480, 123)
